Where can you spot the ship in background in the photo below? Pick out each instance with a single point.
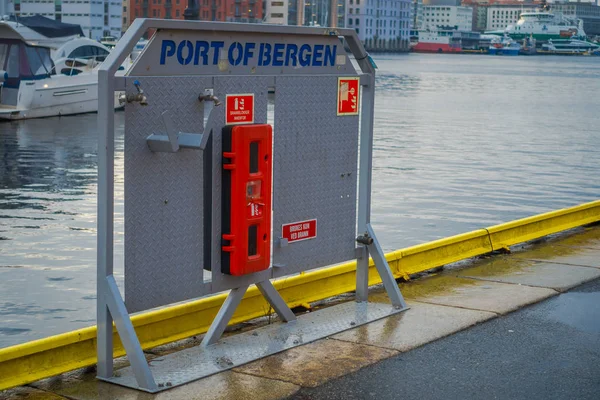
(543, 25)
(446, 41)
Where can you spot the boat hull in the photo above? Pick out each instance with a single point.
(37, 101)
(503, 51)
(423, 47)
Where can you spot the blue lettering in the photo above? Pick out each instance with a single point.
(248, 52)
(235, 46)
(291, 54)
(264, 58)
(190, 52)
(304, 55)
(330, 55)
(216, 46)
(201, 50)
(167, 50)
(318, 53)
(278, 54)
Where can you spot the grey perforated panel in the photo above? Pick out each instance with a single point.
(314, 176)
(163, 196)
(314, 173)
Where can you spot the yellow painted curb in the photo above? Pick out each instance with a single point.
(54, 355)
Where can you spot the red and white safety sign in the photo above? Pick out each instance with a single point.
(239, 109)
(297, 231)
(348, 94)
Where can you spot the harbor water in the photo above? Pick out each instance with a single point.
(461, 142)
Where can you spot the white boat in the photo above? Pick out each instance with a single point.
(570, 46)
(41, 31)
(542, 26)
(33, 85)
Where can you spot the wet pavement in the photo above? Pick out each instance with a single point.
(472, 331)
(546, 351)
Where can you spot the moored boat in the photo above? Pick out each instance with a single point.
(569, 46)
(504, 47)
(33, 85)
(438, 41)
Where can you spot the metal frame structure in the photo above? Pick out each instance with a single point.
(110, 304)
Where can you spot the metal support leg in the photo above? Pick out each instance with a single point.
(224, 315)
(130, 341)
(385, 273)
(274, 298)
(105, 338)
(362, 276)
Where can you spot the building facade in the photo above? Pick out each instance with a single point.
(416, 15)
(589, 13)
(447, 17)
(277, 12)
(501, 15)
(97, 18)
(206, 10)
(306, 12)
(382, 25)
(125, 22)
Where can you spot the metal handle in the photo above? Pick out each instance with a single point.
(173, 140)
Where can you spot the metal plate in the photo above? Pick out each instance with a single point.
(163, 196)
(191, 364)
(314, 176)
(227, 53)
(314, 173)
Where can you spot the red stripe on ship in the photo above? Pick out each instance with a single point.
(435, 48)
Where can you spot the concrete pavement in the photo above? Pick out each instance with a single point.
(441, 304)
(550, 350)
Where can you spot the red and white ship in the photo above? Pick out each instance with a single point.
(439, 41)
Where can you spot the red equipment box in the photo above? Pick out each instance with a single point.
(246, 219)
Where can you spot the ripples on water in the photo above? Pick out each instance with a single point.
(461, 142)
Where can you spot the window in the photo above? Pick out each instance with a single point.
(89, 52)
(277, 3)
(357, 21)
(276, 15)
(177, 13)
(36, 65)
(12, 66)
(349, 21)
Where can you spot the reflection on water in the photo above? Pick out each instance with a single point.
(461, 142)
(48, 226)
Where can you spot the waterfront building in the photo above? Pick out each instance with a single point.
(206, 10)
(382, 25)
(416, 14)
(126, 21)
(277, 12)
(97, 18)
(589, 13)
(447, 17)
(306, 12)
(442, 2)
